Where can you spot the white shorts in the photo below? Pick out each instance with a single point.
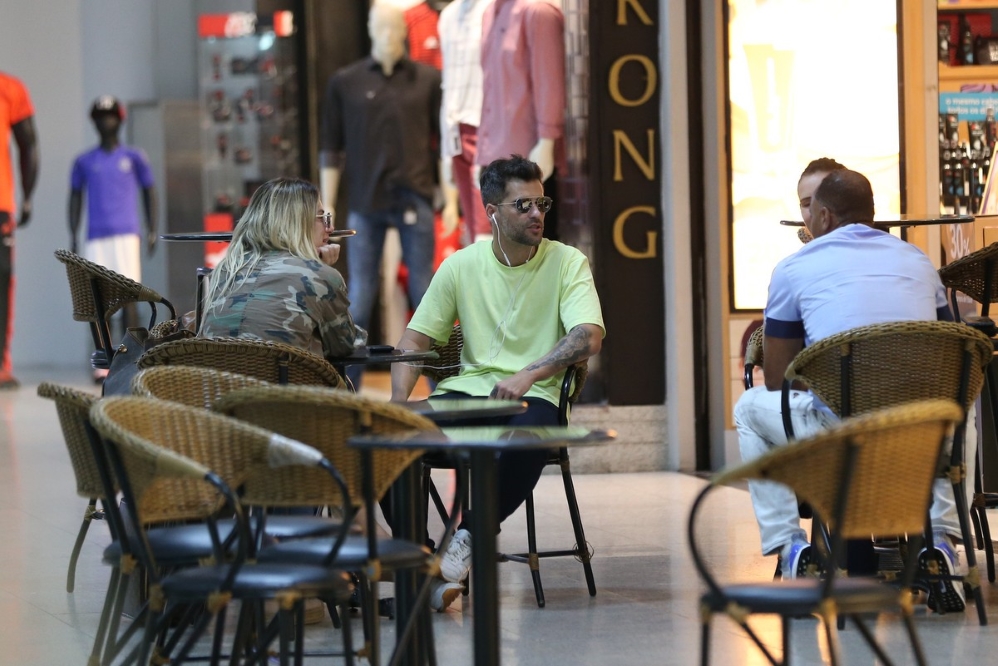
(119, 253)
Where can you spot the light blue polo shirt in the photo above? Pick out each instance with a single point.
(853, 276)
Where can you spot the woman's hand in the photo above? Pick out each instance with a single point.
(329, 254)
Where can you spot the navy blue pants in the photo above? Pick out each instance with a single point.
(518, 471)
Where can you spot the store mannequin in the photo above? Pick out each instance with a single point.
(523, 84)
(379, 126)
(113, 175)
(460, 29)
(17, 118)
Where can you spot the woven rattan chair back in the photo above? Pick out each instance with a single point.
(116, 290)
(324, 419)
(894, 363)
(975, 275)
(189, 385)
(804, 236)
(897, 455)
(270, 361)
(157, 430)
(753, 356)
(73, 408)
(449, 363)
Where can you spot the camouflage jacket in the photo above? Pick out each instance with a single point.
(287, 299)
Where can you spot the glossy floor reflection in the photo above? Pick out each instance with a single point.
(645, 611)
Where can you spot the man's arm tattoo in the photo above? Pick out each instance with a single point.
(571, 349)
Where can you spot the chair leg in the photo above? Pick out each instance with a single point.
(832, 636)
(916, 645)
(870, 639)
(533, 561)
(88, 516)
(785, 638)
(105, 617)
(580, 534)
(973, 575)
(705, 640)
(983, 530)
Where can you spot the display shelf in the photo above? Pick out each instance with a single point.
(968, 73)
(968, 5)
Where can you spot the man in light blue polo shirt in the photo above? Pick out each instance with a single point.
(850, 275)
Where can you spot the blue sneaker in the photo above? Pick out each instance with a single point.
(937, 566)
(795, 558)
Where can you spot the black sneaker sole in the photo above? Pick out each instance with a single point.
(943, 597)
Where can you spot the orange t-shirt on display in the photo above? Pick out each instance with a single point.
(15, 106)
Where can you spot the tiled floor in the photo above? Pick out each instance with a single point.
(645, 612)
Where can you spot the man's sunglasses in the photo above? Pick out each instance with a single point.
(523, 204)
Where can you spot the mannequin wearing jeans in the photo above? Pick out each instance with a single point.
(380, 126)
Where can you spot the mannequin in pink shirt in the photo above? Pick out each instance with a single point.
(523, 84)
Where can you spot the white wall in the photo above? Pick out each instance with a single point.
(41, 43)
(68, 52)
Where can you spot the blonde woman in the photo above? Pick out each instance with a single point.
(276, 281)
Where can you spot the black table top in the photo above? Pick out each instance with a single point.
(379, 354)
(226, 236)
(448, 409)
(486, 437)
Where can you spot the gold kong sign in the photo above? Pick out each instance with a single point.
(626, 192)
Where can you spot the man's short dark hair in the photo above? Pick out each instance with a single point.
(498, 173)
(848, 195)
(821, 165)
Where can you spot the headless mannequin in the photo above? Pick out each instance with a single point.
(523, 104)
(386, 28)
(108, 126)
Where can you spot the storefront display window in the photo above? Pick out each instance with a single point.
(806, 79)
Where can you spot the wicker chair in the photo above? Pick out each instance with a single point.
(753, 356)
(878, 366)
(190, 385)
(976, 275)
(449, 365)
(326, 419)
(270, 361)
(73, 407)
(869, 475)
(178, 463)
(98, 293)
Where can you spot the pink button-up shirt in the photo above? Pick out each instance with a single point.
(523, 77)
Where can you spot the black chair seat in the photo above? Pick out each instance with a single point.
(300, 527)
(353, 555)
(176, 545)
(258, 581)
(803, 596)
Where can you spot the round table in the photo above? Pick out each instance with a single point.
(226, 236)
(479, 444)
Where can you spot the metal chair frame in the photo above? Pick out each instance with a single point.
(838, 472)
(97, 294)
(128, 434)
(830, 369)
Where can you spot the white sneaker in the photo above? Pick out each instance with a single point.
(443, 594)
(456, 562)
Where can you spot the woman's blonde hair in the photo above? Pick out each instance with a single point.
(280, 216)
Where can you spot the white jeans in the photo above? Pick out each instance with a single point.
(759, 421)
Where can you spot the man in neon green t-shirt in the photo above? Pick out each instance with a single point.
(528, 309)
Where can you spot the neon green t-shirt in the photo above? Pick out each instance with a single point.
(510, 317)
